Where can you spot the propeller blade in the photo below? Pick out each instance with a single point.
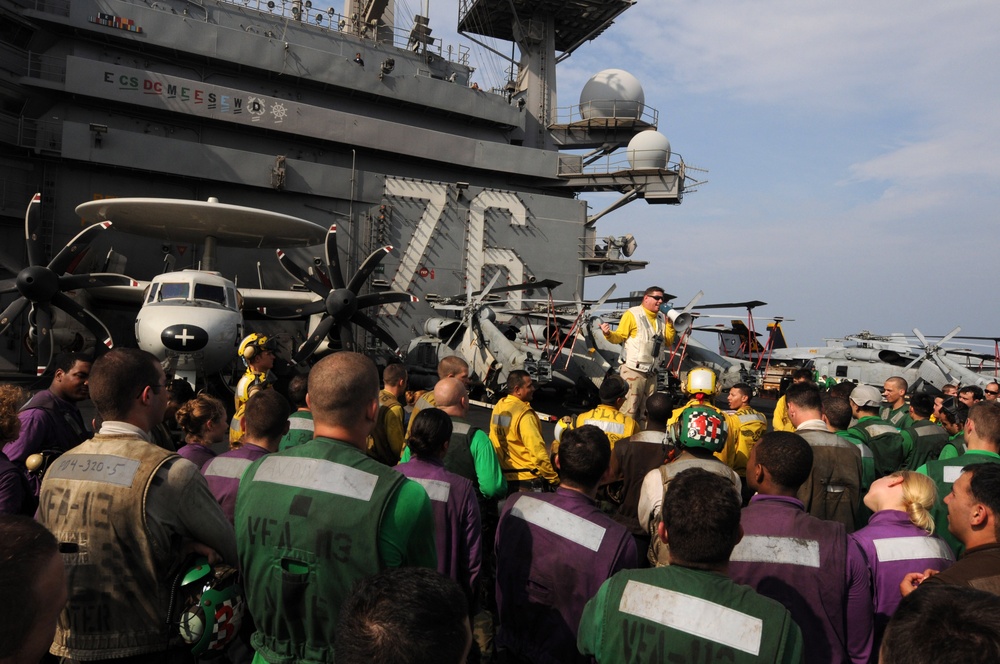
(388, 297)
(317, 307)
(44, 343)
(12, 311)
(89, 320)
(752, 304)
(76, 246)
(694, 301)
(309, 345)
(307, 280)
(918, 335)
(546, 283)
(366, 269)
(69, 282)
(366, 323)
(8, 286)
(604, 298)
(346, 337)
(333, 258)
(33, 231)
(481, 295)
(948, 336)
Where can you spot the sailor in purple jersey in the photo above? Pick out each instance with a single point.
(898, 540)
(554, 550)
(200, 419)
(458, 531)
(265, 422)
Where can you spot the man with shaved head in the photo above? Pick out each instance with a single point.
(326, 515)
(451, 366)
(895, 410)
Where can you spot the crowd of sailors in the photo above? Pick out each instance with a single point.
(332, 521)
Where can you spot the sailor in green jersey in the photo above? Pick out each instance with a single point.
(925, 438)
(300, 422)
(953, 416)
(314, 519)
(895, 410)
(982, 435)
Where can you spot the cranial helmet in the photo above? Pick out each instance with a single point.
(563, 424)
(701, 426)
(211, 607)
(253, 345)
(700, 379)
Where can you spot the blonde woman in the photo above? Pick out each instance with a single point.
(16, 495)
(203, 422)
(899, 539)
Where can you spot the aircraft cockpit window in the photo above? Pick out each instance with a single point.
(210, 292)
(173, 291)
(150, 293)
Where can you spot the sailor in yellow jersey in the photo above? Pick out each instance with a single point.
(644, 333)
(257, 353)
(700, 385)
(607, 417)
(753, 424)
(516, 434)
(780, 421)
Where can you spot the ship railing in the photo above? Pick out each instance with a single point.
(57, 7)
(308, 13)
(47, 67)
(619, 162)
(608, 112)
(41, 135)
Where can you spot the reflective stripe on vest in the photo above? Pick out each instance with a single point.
(437, 490)
(300, 424)
(317, 475)
(693, 615)
(106, 468)
(227, 467)
(878, 429)
(911, 548)
(559, 522)
(750, 418)
(502, 420)
(951, 473)
(608, 427)
(780, 550)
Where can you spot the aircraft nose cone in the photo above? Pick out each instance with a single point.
(184, 338)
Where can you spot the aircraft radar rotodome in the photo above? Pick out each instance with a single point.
(612, 93)
(648, 149)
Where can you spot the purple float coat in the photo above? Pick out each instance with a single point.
(554, 550)
(47, 423)
(808, 565)
(16, 496)
(894, 547)
(458, 534)
(197, 454)
(223, 474)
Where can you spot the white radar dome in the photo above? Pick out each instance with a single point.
(612, 93)
(648, 149)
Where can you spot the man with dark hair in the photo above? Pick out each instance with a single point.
(516, 434)
(689, 610)
(606, 416)
(833, 489)
(633, 458)
(887, 446)
(970, 395)
(554, 551)
(326, 515)
(944, 624)
(925, 438)
(300, 422)
(699, 433)
(894, 410)
(805, 563)
(450, 366)
(51, 419)
(33, 587)
(953, 414)
(780, 421)
(982, 435)
(837, 412)
(645, 333)
(126, 513)
(385, 444)
(404, 616)
(265, 421)
(974, 520)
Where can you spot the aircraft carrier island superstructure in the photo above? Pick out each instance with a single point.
(340, 119)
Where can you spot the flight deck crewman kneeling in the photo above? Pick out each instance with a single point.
(645, 333)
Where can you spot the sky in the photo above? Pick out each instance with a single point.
(852, 150)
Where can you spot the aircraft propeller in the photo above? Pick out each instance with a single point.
(341, 305)
(43, 286)
(931, 351)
